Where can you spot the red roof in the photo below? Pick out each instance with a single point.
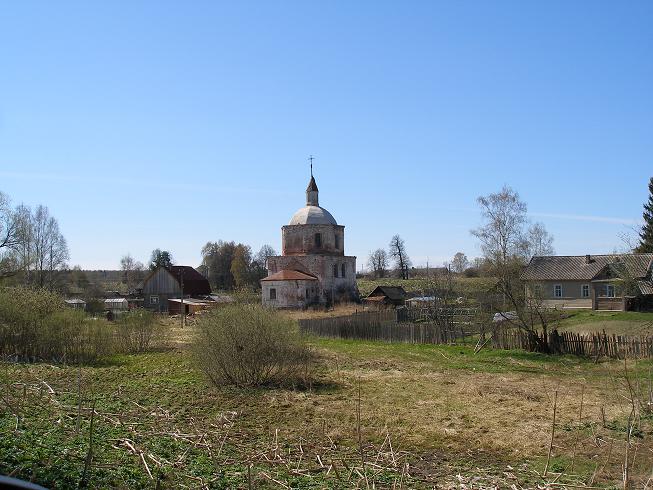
(288, 275)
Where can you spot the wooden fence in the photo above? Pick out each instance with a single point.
(591, 345)
(385, 325)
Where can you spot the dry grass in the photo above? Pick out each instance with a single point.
(343, 309)
(458, 420)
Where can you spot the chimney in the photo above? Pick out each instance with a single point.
(588, 259)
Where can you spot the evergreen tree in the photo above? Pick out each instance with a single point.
(646, 234)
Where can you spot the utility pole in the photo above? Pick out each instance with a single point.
(183, 309)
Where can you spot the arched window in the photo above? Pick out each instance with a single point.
(318, 240)
(337, 242)
(344, 268)
(335, 270)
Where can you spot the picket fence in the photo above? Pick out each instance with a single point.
(386, 326)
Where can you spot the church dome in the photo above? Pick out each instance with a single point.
(312, 215)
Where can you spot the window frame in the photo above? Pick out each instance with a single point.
(608, 289)
(317, 240)
(335, 270)
(337, 242)
(557, 288)
(272, 295)
(343, 270)
(154, 299)
(583, 289)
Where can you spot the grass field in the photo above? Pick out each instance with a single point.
(428, 415)
(613, 322)
(465, 286)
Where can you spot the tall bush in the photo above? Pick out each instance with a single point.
(137, 331)
(251, 345)
(36, 326)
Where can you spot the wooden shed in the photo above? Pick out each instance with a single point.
(384, 296)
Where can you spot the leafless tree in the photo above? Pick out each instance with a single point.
(9, 237)
(378, 262)
(50, 251)
(398, 253)
(459, 263)
(264, 254)
(501, 235)
(133, 271)
(538, 241)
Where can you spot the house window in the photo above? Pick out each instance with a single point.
(609, 290)
(335, 270)
(557, 291)
(273, 293)
(154, 300)
(318, 240)
(337, 242)
(585, 291)
(343, 269)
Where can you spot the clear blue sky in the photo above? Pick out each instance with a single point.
(169, 124)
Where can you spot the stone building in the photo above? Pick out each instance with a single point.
(312, 267)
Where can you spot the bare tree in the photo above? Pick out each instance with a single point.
(459, 263)
(49, 248)
(501, 235)
(133, 271)
(398, 253)
(378, 262)
(538, 241)
(264, 254)
(9, 237)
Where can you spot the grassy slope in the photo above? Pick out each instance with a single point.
(445, 410)
(617, 322)
(464, 285)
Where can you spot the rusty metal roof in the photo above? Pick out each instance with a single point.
(579, 268)
(288, 275)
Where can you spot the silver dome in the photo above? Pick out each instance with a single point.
(312, 215)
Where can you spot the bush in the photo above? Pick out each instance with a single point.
(36, 326)
(251, 345)
(137, 331)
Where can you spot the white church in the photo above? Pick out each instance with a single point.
(312, 268)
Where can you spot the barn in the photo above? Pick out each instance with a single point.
(176, 281)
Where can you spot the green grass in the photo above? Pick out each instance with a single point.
(613, 322)
(465, 286)
(447, 411)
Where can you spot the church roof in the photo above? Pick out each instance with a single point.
(312, 185)
(288, 275)
(312, 215)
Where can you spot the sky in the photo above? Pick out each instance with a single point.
(146, 125)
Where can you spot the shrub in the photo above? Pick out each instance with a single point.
(138, 330)
(251, 345)
(36, 326)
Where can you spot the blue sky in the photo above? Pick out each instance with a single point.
(169, 124)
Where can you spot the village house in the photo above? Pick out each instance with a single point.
(176, 281)
(312, 267)
(598, 282)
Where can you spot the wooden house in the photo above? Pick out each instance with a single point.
(598, 282)
(163, 284)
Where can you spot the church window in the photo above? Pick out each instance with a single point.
(318, 240)
(337, 242)
(273, 293)
(335, 270)
(343, 269)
